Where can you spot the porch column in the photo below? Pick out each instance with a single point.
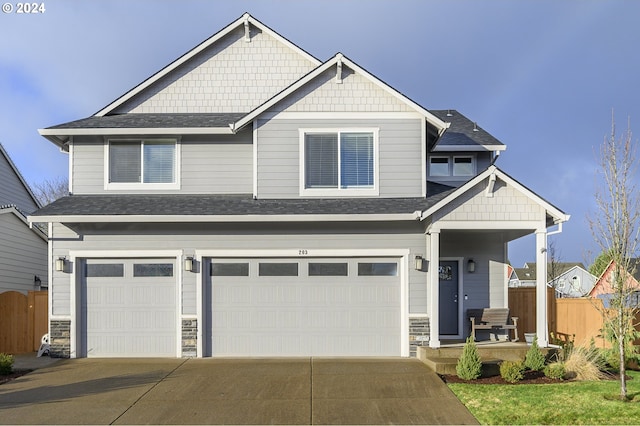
(434, 289)
(542, 330)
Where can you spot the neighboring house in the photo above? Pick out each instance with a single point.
(603, 287)
(252, 200)
(23, 249)
(570, 279)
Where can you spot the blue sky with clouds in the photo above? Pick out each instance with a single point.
(541, 76)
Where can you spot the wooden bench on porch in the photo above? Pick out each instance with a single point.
(490, 319)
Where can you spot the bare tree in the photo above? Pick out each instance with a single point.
(50, 190)
(615, 229)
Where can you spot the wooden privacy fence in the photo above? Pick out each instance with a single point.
(578, 320)
(23, 321)
(522, 304)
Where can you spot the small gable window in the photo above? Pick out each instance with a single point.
(456, 166)
(135, 162)
(336, 161)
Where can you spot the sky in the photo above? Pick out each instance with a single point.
(545, 77)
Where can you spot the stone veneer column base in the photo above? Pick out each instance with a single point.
(189, 338)
(60, 338)
(418, 334)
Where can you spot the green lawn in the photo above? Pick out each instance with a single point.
(564, 403)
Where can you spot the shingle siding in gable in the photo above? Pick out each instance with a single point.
(230, 76)
(355, 94)
(507, 204)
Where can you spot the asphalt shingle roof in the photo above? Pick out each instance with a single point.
(175, 205)
(461, 131)
(132, 121)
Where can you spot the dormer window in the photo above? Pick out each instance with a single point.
(452, 166)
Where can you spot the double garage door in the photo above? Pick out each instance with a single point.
(251, 307)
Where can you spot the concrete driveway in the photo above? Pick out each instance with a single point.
(232, 391)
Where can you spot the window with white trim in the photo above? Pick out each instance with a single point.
(147, 162)
(341, 160)
(456, 166)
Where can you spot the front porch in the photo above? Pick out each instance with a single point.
(443, 360)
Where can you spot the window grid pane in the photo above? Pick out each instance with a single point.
(439, 166)
(230, 269)
(105, 270)
(356, 159)
(378, 268)
(462, 166)
(278, 269)
(153, 270)
(124, 162)
(321, 160)
(328, 269)
(159, 161)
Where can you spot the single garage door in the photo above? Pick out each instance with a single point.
(303, 307)
(129, 308)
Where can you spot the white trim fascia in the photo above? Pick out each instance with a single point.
(71, 162)
(339, 115)
(124, 254)
(423, 153)
(132, 131)
(195, 51)
(255, 159)
(50, 287)
(301, 252)
(457, 148)
(224, 218)
(441, 125)
(484, 225)
(553, 211)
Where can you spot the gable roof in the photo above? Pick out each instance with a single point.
(529, 272)
(463, 135)
(556, 215)
(245, 19)
(339, 60)
(23, 182)
(601, 285)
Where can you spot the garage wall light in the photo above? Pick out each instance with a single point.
(419, 263)
(61, 263)
(188, 264)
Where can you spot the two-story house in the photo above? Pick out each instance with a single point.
(23, 248)
(251, 200)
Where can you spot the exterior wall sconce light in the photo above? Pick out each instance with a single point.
(188, 263)
(471, 266)
(61, 263)
(419, 263)
(37, 281)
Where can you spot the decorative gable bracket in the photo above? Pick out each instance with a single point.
(339, 58)
(247, 28)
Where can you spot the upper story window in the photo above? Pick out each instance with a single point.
(456, 166)
(132, 163)
(340, 162)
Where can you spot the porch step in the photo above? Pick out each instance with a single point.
(443, 360)
(490, 367)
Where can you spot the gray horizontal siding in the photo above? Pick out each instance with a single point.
(23, 255)
(191, 237)
(12, 191)
(400, 155)
(209, 165)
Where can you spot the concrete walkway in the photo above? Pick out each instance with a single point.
(232, 391)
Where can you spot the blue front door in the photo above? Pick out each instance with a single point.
(448, 279)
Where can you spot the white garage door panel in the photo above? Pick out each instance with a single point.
(130, 316)
(302, 316)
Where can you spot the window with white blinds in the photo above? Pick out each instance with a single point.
(146, 161)
(339, 160)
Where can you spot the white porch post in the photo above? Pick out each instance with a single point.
(542, 329)
(434, 289)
